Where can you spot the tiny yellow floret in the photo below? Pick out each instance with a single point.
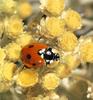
(86, 52)
(13, 27)
(50, 81)
(27, 78)
(55, 26)
(13, 51)
(53, 7)
(7, 6)
(8, 70)
(68, 41)
(72, 61)
(24, 39)
(72, 19)
(25, 9)
(62, 71)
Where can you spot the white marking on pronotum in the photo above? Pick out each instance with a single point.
(51, 61)
(41, 51)
(48, 53)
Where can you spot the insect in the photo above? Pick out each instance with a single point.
(37, 55)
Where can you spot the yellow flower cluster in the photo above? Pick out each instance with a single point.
(64, 21)
(21, 8)
(13, 13)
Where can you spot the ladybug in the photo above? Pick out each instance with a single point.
(37, 55)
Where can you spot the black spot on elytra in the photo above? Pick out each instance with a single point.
(31, 46)
(34, 64)
(28, 56)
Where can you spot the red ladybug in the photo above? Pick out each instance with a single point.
(37, 55)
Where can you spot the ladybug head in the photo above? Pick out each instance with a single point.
(49, 55)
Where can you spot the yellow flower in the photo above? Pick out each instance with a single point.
(2, 55)
(86, 52)
(50, 81)
(55, 26)
(7, 6)
(13, 51)
(72, 61)
(13, 27)
(27, 78)
(68, 41)
(62, 71)
(25, 9)
(53, 7)
(72, 19)
(8, 70)
(24, 39)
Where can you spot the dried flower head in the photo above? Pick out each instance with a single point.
(86, 52)
(50, 78)
(54, 26)
(53, 7)
(13, 26)
(24, 9)
(72, 19)
(27, 78)
(68, 41)
(13, 51)
(8, 6)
